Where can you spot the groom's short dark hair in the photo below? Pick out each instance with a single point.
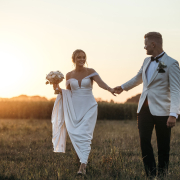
(154, 36)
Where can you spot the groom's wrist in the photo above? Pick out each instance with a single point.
(174, 115)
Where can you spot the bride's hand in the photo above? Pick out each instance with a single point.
(56, 86)
(118, 89)
(112, 91)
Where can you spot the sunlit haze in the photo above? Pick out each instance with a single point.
(39, 36)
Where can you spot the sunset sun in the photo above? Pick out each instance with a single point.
(12, 72)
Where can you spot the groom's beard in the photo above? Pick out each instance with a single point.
(149, 52)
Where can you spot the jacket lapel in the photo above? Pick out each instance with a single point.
(145, 68)
(156, 71)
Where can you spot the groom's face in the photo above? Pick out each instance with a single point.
(149, 47)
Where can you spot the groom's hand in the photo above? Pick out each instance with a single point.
(171, 121)
(118, 90)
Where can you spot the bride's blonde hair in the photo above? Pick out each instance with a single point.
(75, 54)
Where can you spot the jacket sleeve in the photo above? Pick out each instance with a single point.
(135, 81)
(174, 83)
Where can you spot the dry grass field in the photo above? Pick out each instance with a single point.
(26, 152)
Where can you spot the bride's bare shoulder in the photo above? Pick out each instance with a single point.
(68, 75)
(90, 70)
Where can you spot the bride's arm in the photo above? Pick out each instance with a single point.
(68, 77)
(102, 84)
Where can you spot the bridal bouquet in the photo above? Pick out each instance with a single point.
(54, 77)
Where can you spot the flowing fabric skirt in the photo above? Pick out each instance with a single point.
(80, 130)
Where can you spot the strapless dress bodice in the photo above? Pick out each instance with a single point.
(82, 96)
(85, 88)
(82, 89)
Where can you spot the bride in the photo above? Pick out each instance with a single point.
(77, 109)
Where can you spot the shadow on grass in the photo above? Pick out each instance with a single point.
(8, 178)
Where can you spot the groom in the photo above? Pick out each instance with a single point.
(159, 102)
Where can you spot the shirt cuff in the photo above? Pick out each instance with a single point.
(122, 87)
(173, 114)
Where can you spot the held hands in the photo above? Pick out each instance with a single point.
(118, 90)
(112, 91)
(171, 121)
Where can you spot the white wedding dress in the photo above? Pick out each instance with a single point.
(75, 112)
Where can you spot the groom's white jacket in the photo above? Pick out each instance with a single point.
(163, 89)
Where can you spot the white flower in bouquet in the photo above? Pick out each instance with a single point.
(54, 77)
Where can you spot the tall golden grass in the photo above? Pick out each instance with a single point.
(26, 109)
(43, 110)
(26, 152)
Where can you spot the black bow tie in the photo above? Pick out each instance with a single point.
(157, 58)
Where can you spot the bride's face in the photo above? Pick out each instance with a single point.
(80, 59)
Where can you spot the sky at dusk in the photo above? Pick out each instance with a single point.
(39, 36)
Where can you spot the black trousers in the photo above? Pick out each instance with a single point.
(146, 123)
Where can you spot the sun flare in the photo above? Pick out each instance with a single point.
(11, 70)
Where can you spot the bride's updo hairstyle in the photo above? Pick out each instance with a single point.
(76, 53)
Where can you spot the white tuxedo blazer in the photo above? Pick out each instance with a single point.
(163, 89)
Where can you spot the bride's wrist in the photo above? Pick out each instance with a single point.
(109, 89)
(59, 89)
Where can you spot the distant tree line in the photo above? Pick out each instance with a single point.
(134, 99)
(43, 110)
